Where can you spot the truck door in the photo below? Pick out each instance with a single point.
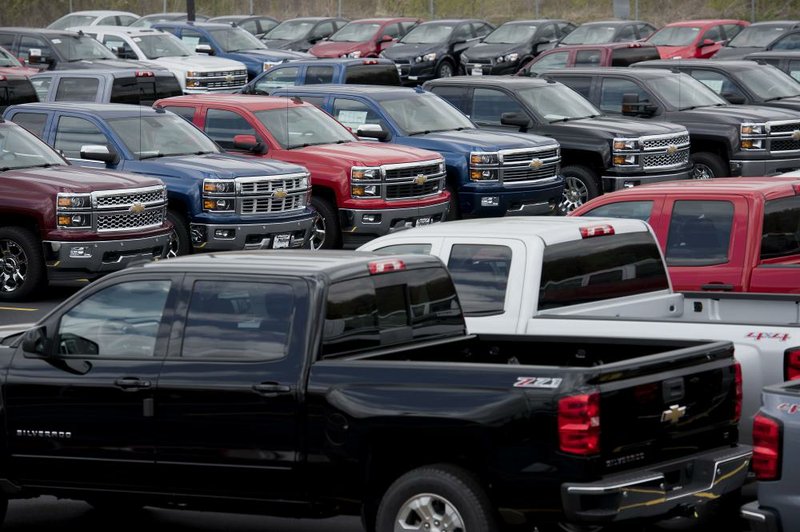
(79, 405)
(227, 404)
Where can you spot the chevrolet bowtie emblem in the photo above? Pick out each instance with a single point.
(229, 78)
(279, 194)
(796, 134)
(137, 208)
(536, 164)
(674, 414)
(420, 179)
(672, 149)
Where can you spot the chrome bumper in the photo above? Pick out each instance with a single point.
(102, 256)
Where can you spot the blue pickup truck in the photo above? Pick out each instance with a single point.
(488, 173)
(217, 202)
(230, 42)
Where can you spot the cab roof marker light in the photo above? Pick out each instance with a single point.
(371, 62)
(596, 230)
(145, 74)
(384, 266)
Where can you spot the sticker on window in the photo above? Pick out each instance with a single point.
(55, 41)
(352, 119)
(35, 52)
(137, 39)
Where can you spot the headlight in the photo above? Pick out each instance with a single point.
(193, 74)
(219, 186)
(268, 65)
(429, 57)
(626, 144)
(362, 173)
(75, 220)
(192, 82)
(753, 129)
(303, 182)
(752, 144)
(483, 175)
(218, 204)
(68, 202)
(625, 160)
(354, 55)
(510, 58)
(500, 59)
(366, 191)
(483, 158)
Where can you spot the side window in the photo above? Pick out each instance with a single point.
(108, 21)
(646, 30)
(7, 40)
(614, 89)
(714, 33)
(352, 113)
(317, 101)
(278, 78)
(565, 28)
(480, 273)
(322, 30)
(790, 42)
(407, 26)
(547, 62)
(33, 122)
(639, 210)
(72, 133)
(193, 38)
(457, 96)
(731, 30)
(119, 321)
(587, 58)
(42, 86)
(250, 26)
(548, 33)
(463, 33)
(239, 319)
(482, 30)
(699, 233)
(222, 126)
(77, 89)
(119, 46)
(581, 85)
(33, 47)
(627, 34)
(126, 20)
(316, 75)
(393, 31)
(186, 113)
(488, 105)
(794, 69)
(719, 83)
(404, 249)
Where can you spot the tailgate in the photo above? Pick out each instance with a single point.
(667, 405)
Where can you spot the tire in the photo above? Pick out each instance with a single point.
(707, 165)
(326, 233)
(436, 488)
(580, 185)
(22, 267)
(445, 69)
(454, 212)
(180, 242)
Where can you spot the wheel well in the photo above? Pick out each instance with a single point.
(711, 147)
(17, 220)
(590, 160)
(179, 206)
(325, 193)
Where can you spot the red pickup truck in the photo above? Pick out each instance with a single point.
(733, 234)
(361, 190)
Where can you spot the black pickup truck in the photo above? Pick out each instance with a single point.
(726, 140)
(313, 384)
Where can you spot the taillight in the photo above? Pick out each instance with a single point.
(579, 424)
(791, 364)
(383, 266)
(596, 230)
(766, 447)
(737, 412)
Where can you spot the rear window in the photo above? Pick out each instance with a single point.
(601, 267)
(781, 236)
(388, 309)
(480, 274)
(623, 57)
(77, 89)
(16, 91)
(144, 91)
(372, 75)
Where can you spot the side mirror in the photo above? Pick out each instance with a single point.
(35, 341)
(517, 120)
(386, 38)
(98, 152)
(736, 99)
(249, 143)
(204, 49)
(372, 131)
(707, 42)
(632, 107)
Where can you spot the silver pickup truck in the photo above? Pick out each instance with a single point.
(598, 278)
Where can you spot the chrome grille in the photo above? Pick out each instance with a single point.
(271, 194)
(212, 84)
(663, 142)
(528, 156)
(223, 73)
(784, 145)
(270, 205)
(526, 173)
(130, 222)
(656, 160)
(411, 190)
(268, 185)
(784, 128)
(123, 199)
(411, 172)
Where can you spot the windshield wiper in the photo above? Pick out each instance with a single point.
(45, 165)
(567, 119)
(781, 98)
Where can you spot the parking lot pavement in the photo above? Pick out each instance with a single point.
(17, 313)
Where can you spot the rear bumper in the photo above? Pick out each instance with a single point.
(619, 182)
(648, 494)
(232, 237)
(761, 519)
(356, 231)
(750, 168)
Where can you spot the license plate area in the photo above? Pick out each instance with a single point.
(477, 71)
(281, 241)
(425, 220)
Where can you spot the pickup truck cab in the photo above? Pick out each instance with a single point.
(217, 202)
(598, 153)
(787, 61)
(11, 65)
(229, 42)
(736, 235)
(61, 222)
(360, 190)
(15, 89)
(488, 173)
(755, 38)
(313, 384)
(136, 87)
(618, 54)
(726, 140)
(324, 71)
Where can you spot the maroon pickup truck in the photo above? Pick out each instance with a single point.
(59, 222)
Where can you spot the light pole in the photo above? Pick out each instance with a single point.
(430, 3)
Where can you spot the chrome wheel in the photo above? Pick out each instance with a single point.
(445, 70)
(575, 194)
(13, 266)
(702, 171)
(173, 246)
(318, 232)
(428, 513)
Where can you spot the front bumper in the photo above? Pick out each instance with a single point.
(485, 69)
(619, 182)
(501, 200)
(234, 236)
(761, 519)
(222, 90)
(357, 231)
(89, 259)
(659, 491)
(763, 167)
(413, 73)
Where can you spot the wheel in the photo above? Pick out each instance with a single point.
(179, 241)
(445, 69)
(326, 233)
(453, 213)
(436, 498)
(22, 268)
(707, 165)
(580, 185)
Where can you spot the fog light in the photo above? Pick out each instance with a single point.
(628, 184)
(224, 233)
(371, 218)
(80, 252)
(490, 201)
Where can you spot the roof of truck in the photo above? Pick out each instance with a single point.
(768, 187)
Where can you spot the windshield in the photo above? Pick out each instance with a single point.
(757, 36)
(511, 34)
(769, 83)
(8, 60)
(428, 34)
(80, 48)
(290, 30)
(72, 21)
(594, 34)
(674, 36)
(298, 127)
(236, 40)
(21, 149)
(425, 113)
(164, 45)
(160, 136)
(681, 91)
(558, 102)
(355, 32)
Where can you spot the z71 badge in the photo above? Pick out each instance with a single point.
(537, 382)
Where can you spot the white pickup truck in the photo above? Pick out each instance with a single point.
(598, 277)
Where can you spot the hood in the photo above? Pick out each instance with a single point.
(359, 153)
(608, 127)
(198, 62)
(728, 53)
(675, 52)
(785, 103)
(492, 51)
(18, 71)
(102, 64)
(735, 114)
(336, 49)
(479, 140)
(80, 179)
(216, 166)
(270, 55)
(410, 51)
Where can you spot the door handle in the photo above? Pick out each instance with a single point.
(132, 384)
(271, 389)
(718, 286)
